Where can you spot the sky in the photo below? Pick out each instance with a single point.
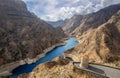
(53, 10)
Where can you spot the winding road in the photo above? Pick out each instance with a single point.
(103, 70)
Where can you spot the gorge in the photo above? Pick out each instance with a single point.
(99, 38)
(32, 48)
(57, 51)
(24, 36)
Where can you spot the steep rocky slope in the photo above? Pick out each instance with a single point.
(93, 20)
(102, 43)
(72, 23)
(22, 34)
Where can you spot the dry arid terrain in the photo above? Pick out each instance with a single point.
(101, 43)
(22, 34)
(58, 68)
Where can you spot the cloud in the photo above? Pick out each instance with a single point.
(53, 10)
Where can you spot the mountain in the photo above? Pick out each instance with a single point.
(58, 23)
(72, 23)
(98, 36)
(93, 20)
(60, 32)
(100, 41)
(22, 34)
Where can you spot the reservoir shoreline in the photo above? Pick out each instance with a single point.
(5, 70)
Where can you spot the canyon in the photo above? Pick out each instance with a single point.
(24, 35)
(25, 38)
(99, 37)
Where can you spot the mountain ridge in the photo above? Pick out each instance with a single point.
(95, 19)
(23, 35)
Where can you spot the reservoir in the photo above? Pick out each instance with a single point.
(71, 42)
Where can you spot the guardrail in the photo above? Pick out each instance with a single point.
(75, 64)
(101, 70)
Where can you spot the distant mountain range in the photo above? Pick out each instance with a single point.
(58, 23)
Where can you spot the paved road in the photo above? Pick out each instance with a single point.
(102, 70)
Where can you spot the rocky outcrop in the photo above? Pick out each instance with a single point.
(72, 23)
(22, 34)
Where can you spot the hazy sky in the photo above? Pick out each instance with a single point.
(52, 10)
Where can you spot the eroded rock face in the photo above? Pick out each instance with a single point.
(22, 34)
(102, 43)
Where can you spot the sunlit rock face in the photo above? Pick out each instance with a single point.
(22, 34)
(103, 42)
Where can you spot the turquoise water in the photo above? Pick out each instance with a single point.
(48, 57)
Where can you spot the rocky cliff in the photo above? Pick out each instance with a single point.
(22, 34)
